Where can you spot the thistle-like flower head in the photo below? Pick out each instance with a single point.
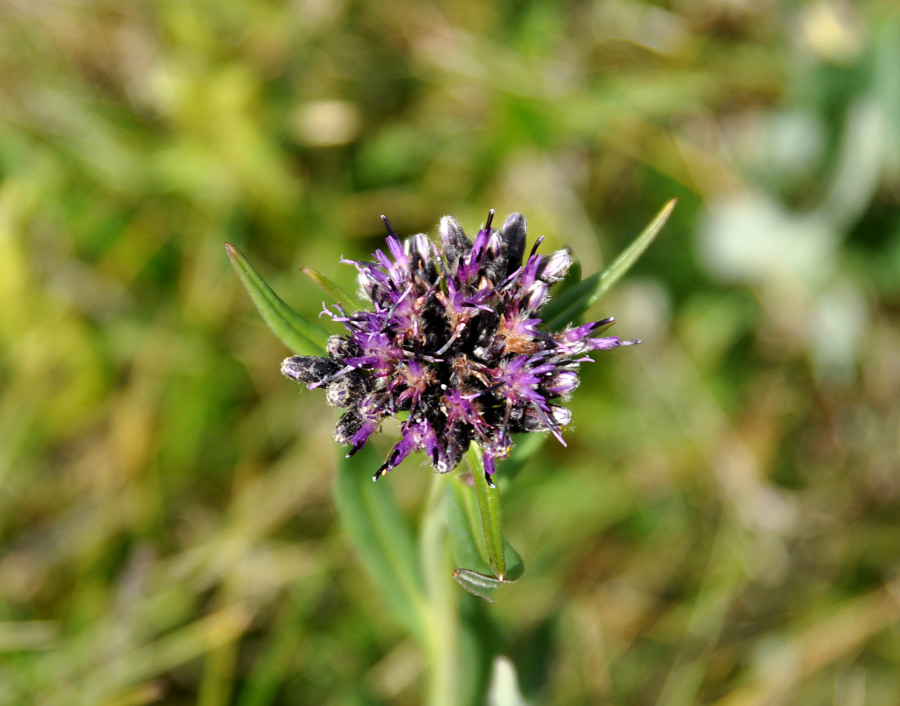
(454, 344)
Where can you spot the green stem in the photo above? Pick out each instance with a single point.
(442, 610)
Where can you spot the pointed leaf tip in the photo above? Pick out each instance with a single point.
(294, 330)
(573, 302)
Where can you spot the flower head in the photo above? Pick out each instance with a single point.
(454, 341)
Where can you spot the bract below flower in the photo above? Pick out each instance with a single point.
(454, 344)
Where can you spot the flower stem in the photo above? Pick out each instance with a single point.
(442, 632)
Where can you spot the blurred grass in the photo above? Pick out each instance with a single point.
(723, 526)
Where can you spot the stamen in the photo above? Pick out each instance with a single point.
(393, 309)
(453, 338)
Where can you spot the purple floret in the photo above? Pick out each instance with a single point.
(454, 340)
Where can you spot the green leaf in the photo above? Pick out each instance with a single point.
(482, 584)
(489, 508)
(572, 303)
(479, 584)
(467, 541)
(515, 567)
(505, 561)
(332, 289)
(380, 534)
(464, 526)
(298, 333)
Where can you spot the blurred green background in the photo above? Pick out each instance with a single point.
(724, 527)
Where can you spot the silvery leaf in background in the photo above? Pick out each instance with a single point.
(751, 238)
(792, 260)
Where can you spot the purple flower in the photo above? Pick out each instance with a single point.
(455, 344)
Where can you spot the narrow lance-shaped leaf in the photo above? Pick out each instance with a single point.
(298, 333)
(380, 534)
(474, 572)
(489, 506)
(505, 562)
(464, 526)
(570, 304)
(467, 540)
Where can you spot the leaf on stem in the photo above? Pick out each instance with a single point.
(385, 543)
(482, 584)
(573, 302)
(298, 333)
(477, 584)
(464, 526)
(489, 507)
(505, 561)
